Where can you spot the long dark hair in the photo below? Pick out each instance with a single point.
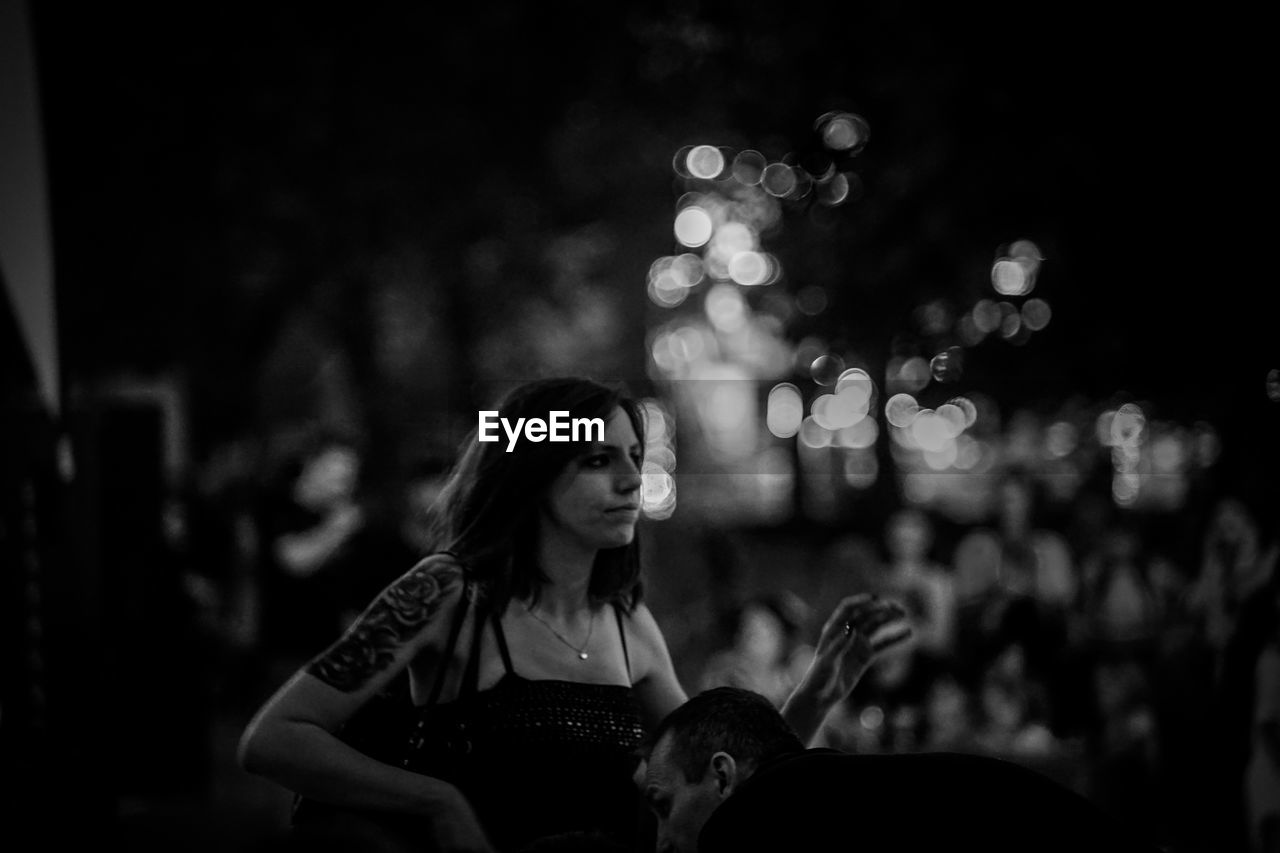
(487, 513)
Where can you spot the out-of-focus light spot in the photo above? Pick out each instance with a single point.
(930, 431)
(689, 267)
(965, 405)
(716, 265)
(843, 131)
(748, 268)
(907, 374)
(1273, 385)
(813, 434)
(1036, 314)
(748, 167)
(1124, 488)
(778, 180)
(733, 237)
(860, 436)
(785, 410)
(1167, 455)
(1128, 424)
(933, 318)
(726, 309)
(811, 300)
(706, 162)
(919, 488)
(826, 369)
(693, 227)
(655, 421)
(1207, 444)
(657, 492)
(1009, 277)
(968, 452)
(861, 470)
(947, 365)
(667, 289)
(901, 410)
(834, 191)
(663, 457)
(688, 343)
(844, 408)
(855, 376)
(1061, 439)
(804, 183)
(954, 417)
(1102, 427)
(986, 316)
(967, 330)
(680, 163)
(1025, 250)
(1010, 326)
(942, 458)
(807, 350)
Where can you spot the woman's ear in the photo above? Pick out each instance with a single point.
(727, 773)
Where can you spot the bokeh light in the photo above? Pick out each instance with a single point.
(967, 407)
(826, 369)
(785, 410)
(834, 191)
(813, 434)
(705, 161)
(859, 436)
(843, 131)
(693, 227)
(749, 268)
(986, 316)
(726, 309)
(1009, 277)
(778, 180)
(930, 431)
(901, 410)
(1273, 385)
(748, 167)
(1036, 314)
(948, 365)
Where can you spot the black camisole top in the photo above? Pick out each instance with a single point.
(536, 757)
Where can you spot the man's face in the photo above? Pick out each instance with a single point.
(681, 807)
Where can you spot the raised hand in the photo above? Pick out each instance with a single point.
(859, 629)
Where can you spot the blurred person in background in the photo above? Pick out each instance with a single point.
(1234, 564)
(923, 585)
(532, 666)
(766, 655)
(1262, 773)
(308, 526)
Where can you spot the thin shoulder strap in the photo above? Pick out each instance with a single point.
(502, 643)
(459, 616)
(622, 633)
(471, 677)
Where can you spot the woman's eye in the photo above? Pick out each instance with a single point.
(597, 460)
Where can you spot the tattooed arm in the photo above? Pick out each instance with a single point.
(291, 739)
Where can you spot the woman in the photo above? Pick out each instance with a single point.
(527, 628)
(766, 656)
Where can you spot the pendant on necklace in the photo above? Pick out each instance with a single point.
(582, 655)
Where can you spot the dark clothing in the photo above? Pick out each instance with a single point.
(826, 800)
(541, 756)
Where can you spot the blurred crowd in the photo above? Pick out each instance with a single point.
(1144, 676)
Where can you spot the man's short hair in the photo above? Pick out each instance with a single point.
(740, 722)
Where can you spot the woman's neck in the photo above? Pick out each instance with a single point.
(568, 570)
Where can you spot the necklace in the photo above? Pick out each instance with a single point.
(581, 652)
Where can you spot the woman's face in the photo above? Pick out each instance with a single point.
(595, 501)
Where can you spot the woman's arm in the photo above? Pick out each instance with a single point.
(857, 631)
(291, 740)
(657, 688)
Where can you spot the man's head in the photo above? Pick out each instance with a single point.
(701, 753)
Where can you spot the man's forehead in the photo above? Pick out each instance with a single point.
(657, 768)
